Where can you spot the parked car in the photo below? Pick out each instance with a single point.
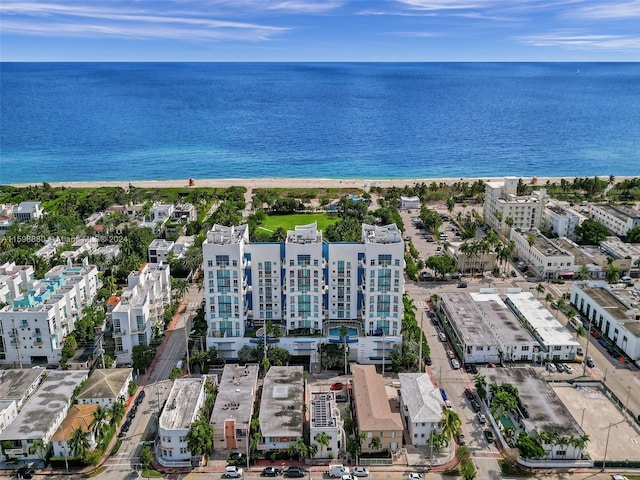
(488, 434)
(360, 472)
(589, 362)
(559, 367)
(232, 472)
(595, 334)
(341, 398)
(451, 354)
(468, 393)
(140, 397)
(551, 367)
(481, 418)
(443, 393)
(416, 476)
(236, 456)
(26, 471)
(337, 386)
(462, 285)
(442, 337)
(461, 440)
(475, 406)
(513, 273)
(579, 351)
(455, 364)
(271, 472)
(474, 369)
(447, 404)
(294, 472)
(567, 368)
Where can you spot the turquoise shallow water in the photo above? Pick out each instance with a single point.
(130, 121)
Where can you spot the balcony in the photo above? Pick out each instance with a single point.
(119, 332)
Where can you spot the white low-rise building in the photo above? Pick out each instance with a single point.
(27, 211)
(13, 280)
(618, 219)
(626, 255)
(421, 406)
(281, 414)
(79, 417)
(82, 246)
(34, 325)
(561, 220)
(325, 418)
(410, 202)
(549, 260)
(159, 250)
(613, 310)
(180, 411)
(140, 309)
(49, 249)
(556, 341)
(105, 386)
(501, 201)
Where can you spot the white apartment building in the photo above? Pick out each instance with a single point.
(626, 255)
(34, 325)
(324, 416)
(49, 249)
(78, 417)
(184, 212)
(555, 340)
(613, 310)
(81, 246)
(618, 219)
(159, 214)
(13, 279)
(159, 249)
(140, 309)
(549, 260)
(180, 411)
(304, 284)
(501, 197)
(561, 220)
(421, 406)
(27, 211)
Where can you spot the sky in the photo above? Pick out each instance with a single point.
(320, 30)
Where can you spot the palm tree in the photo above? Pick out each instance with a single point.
(100, 416)
(180, 287)
(192, 259)
(78, 443)
(38, 447)
(583, 273)
(450, 424)
(323, 440)
(531, 240)
(539, 289)
(481, 385)
(548, 298)
(109, 282)
(117, 410)
(375, 443)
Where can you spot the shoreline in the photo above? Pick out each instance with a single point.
(251, 183)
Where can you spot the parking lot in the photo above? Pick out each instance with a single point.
(591, 407)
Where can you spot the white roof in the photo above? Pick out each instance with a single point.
(421, 397)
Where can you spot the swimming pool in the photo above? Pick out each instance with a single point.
(351, 332)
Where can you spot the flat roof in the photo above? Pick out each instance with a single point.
(618, 302)
(546, 410)
(468, 319)
(182, 405)
(324, 412)
(281, 404)
(581, 255)
(105, 383)
(620, 211)
(15, 383)
(45, 406)
(549, 329)
(501, 320)
(372, 405)
(236, 393)
(422, 399)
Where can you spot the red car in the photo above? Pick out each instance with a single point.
(595, 334)
(337, 386)
(468, 393)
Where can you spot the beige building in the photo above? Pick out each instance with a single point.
(372, 411)
(501, 199)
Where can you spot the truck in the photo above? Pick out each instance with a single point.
(337, 470)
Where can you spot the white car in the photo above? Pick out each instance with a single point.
(551, 367)
(442, 337)
(567, 368)
(415, 476)
(360, 472)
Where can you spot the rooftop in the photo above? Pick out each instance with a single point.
(182, 406)
(619, 303)
(236, 392)
(281, 404)
(621, 212)
(581, 256)
(381, 234)
(14, 383)
(545, 245)
(549, 329)
(421, 397)
(468, 319)
(223, 235)
(47, 405)
(304, 234)
(546, 410)
(500, 319)
(78, 416)
(106, 383)
(324, 412)
(372, 404)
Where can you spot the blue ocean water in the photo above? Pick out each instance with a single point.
(134, 121)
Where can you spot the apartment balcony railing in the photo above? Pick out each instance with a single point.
(119, 332)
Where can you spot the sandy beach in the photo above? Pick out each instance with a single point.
(252, 183)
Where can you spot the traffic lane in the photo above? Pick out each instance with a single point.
(171, 354)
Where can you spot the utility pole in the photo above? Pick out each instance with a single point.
(17, 340)
(606, 447)
(420, 344)
(586, 352)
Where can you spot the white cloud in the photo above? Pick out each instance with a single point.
(621, 10)
(577, 41)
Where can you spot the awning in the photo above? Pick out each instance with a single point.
(566, 274)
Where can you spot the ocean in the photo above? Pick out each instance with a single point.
(155, 121)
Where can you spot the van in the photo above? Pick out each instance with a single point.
(337, 470)
(575, 323)
(444, 237)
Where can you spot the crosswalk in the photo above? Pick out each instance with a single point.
(420, 303)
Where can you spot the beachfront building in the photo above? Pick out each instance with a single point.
(618, 219)
(180, 411)
(233, 410)
(372, 411)
(324, 417)
(6, 218)
(483, 328)
(556, 342)
(105, 386)
(159, 214)
(184, 212)
(140, 310)
(543, 254)
(539, 409)
(561, 220)
(27, 211)
(614, 311)
(13, 280)
(410, 202)
(501, 201)
(306, 286)
(159, 250)
(281, 408)
(40, 417)
(421, 406)
(79, 417)
(34, 325)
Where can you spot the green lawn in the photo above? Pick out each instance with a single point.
(289, 222)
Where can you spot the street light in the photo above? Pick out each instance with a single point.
(586, 353)
(606, 446)
(582, 418)
(626, 406)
